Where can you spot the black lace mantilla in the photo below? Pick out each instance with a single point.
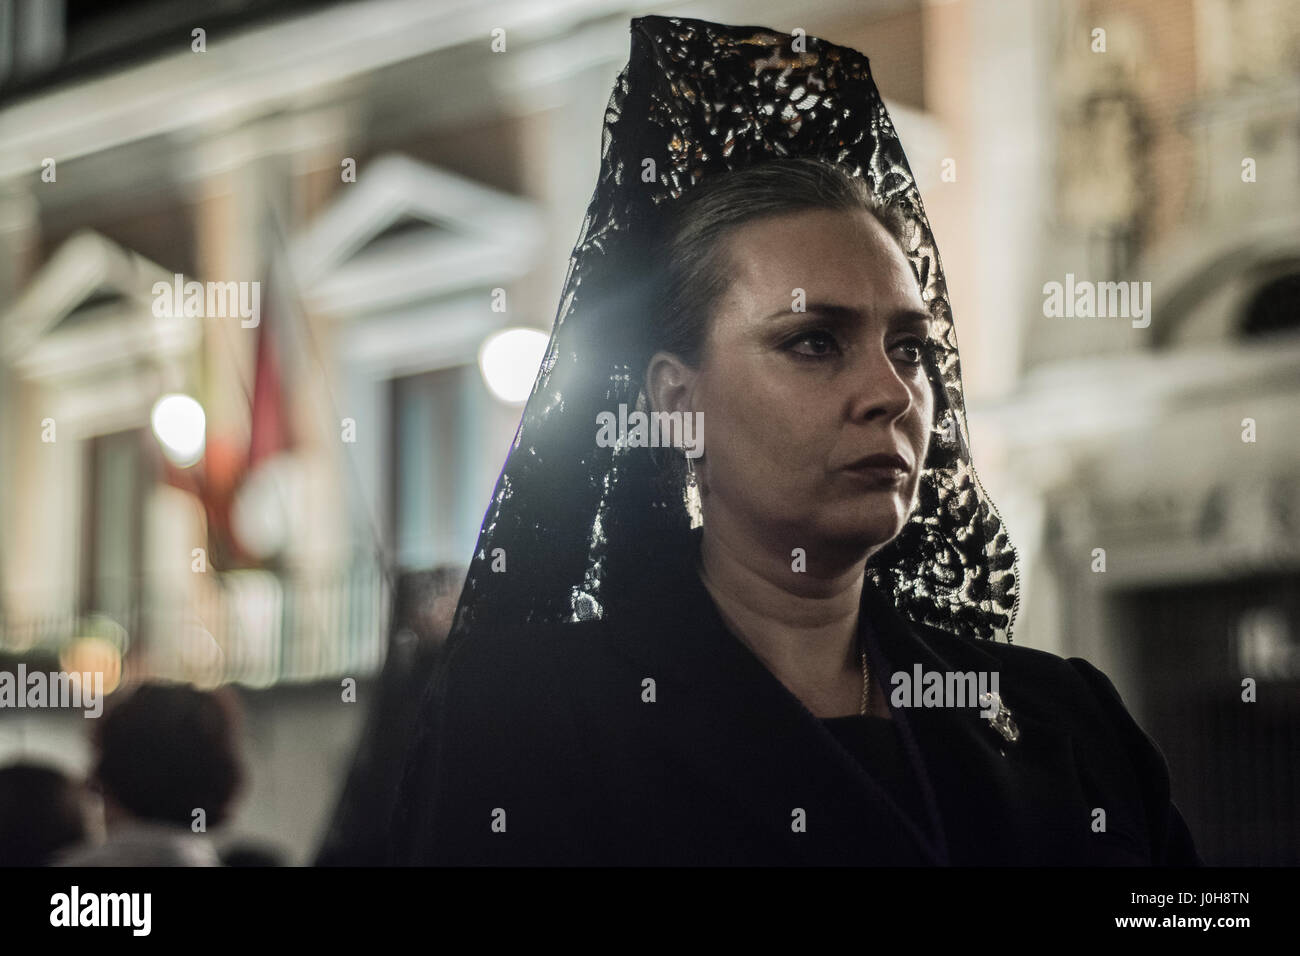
(569, 518)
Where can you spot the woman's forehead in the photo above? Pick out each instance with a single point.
(845, 257)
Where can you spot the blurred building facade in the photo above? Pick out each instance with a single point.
(1042, 148)
(1152, 453)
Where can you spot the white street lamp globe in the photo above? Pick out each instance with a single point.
(180, 427)
(509, 361)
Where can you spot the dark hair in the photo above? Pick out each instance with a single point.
(40, 814)
(169, 749)
(691, 245)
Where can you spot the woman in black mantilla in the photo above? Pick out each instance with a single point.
(691, 654)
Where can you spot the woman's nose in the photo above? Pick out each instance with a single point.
(878, 389)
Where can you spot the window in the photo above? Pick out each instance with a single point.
(114, 519)
(1275, 308)
(436, 496)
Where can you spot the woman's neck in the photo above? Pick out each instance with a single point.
(801, 624)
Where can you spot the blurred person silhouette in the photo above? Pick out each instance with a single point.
(41, 814)
(168, 767)
(246, 853)
(422, 611)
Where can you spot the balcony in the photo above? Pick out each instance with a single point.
(253, 628)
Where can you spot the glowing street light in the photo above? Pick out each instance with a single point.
(509, 361)
(180, 427)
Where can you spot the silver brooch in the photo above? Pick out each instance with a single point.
(1000, 718)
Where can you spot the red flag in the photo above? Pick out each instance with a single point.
(213, 481)
(270, 432)
(265, 503)
(218, 479)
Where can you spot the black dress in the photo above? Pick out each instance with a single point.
(660, 739)
(874, 742)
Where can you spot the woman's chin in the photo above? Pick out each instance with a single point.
(860, 535)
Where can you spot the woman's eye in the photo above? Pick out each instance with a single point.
(813, 344)
(913, 349)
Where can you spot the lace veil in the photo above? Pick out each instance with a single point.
(571, 523)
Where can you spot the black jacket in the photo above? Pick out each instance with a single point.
(551, 754)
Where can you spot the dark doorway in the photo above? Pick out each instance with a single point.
(1234, 764)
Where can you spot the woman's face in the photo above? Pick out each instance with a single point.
(793, 401)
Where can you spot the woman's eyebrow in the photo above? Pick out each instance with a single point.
(912, 317)
(827, 310)
(845, 313)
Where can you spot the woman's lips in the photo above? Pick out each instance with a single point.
(884, 471)
(881, 461)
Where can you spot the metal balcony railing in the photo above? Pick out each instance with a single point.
(255, 628)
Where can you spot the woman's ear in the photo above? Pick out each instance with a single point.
(668, 383)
